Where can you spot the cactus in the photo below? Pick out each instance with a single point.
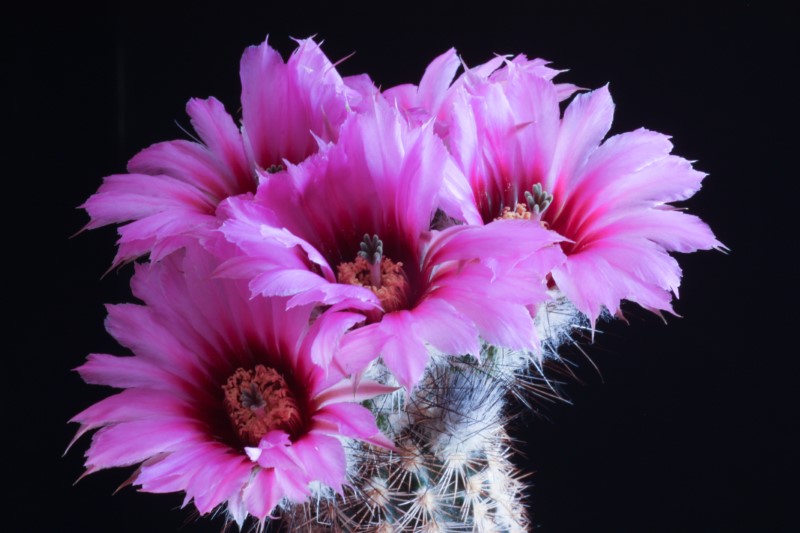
(451, 469)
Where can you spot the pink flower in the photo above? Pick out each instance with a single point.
(608, 199)
(173, 188)
(434, 95)
(350, 227)
(222, 399)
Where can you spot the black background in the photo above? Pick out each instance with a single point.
(686, 427)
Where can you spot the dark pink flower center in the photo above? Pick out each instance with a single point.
(258, 401)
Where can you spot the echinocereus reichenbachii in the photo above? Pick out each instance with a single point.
(341, 287)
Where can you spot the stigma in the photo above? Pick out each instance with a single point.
(537, 200)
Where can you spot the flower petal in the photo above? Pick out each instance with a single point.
(261, 495)
(219, 133)
(353, 420)
(324, 455)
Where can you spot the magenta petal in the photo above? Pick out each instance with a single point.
(347, 391)
(275, 451)
(264, 94)
(139, 329)
(497, 308)
(639, 273)
(352, 420)
(219, 482)
(171, 472)
(133, 442)
(261, 495)
(445, 328)
(189, 162)
(618, 157)
(219, 133)
(403, 352)
(327, 332)
(455, 196)
(672, 229)
(586, 121)
(360, 347)
(352, 296)
(437, 78)
(285, 105)
(132, 404)
(284, 282)
(292, 484)
(103, 369)
(127, 406)
(510, 241)
(278, 453)
(670, 179)
(127, 197)
(162, 234)
(325, 455)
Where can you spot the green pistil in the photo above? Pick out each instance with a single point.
(273, 169)
(539, 201)
(372, 252)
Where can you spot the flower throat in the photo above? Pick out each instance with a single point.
(537, 200)
(259, 401)
(372, 270)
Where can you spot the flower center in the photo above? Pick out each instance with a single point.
(377, 273)
(537, 200)
(259, 401)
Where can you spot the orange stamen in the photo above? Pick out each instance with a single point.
(259, 401)
(393, 289)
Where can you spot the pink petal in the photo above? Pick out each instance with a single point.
(347, 391)
(189, 162)
(139, 329)
(326, 333)
(262, 495)
(403, 352)
(219, 481)
(586, 121)
(499, 245)
(360, 347)
(672, 229)
(171, 472)
(445, 328)
(132, 442)
(292, 484)
(219, 133)
(352, 420)
(126, 197)
(493, 307)
(324, 459)
(668, 180)
(132, 404)
(436, 80)
(285, 105)
(275, 450)
(102, 369)
(264, 94)
(590, 280)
